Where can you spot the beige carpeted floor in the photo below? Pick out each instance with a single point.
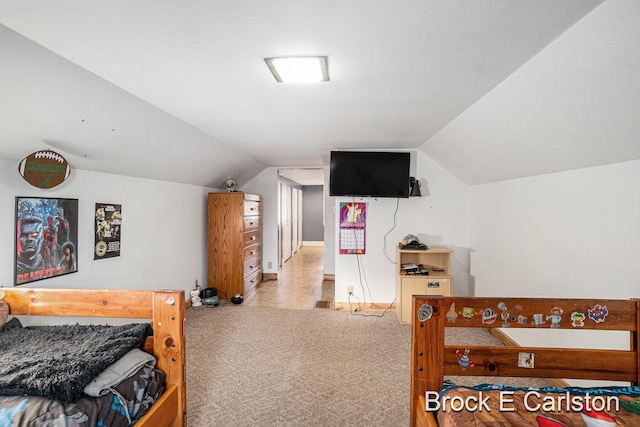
(261, 366)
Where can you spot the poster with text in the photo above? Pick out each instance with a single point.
(353, 224)
(107, 230)
(46, 238)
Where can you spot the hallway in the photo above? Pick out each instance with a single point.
(299, 284)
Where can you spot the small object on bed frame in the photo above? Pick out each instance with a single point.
(431, 359)
(166, 310)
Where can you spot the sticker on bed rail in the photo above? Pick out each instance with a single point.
(598, 313)
(170, 301)
(555, 317)
(577, 319)
(463, 358)
(505, 314)
(489, 316)
(425, 312)
(521, 320)
(526, 360)
(538, 319)
(468, 313)
(451, 314)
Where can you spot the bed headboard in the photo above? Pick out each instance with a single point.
(431, 359)
(164, 308)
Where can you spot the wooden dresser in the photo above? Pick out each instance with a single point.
(234, 244)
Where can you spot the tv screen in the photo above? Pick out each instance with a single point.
(369, 173)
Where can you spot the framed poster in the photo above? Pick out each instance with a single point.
(46, 238)
(353, 224)
(107, 231)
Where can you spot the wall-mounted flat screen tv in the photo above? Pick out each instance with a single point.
(369, 173)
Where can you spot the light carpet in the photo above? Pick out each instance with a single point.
(261, 366)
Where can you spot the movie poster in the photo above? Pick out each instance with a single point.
(353, 224)
(107, 231)
(46, 238)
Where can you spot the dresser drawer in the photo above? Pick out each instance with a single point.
(421, 285)
(252, 223)
(251, 238)
(251, 265)
(251, 282)
(251, 208)
(252, 251)
(437, 286)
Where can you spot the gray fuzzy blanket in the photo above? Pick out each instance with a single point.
(59, 361)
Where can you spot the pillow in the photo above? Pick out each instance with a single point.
(122, 369)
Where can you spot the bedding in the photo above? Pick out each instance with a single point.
(500, 405)
(123, 406)
(58, 362)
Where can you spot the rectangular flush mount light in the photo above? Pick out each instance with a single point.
(304, 69)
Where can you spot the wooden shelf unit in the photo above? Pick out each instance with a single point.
(435, 283)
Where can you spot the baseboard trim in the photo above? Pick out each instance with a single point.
(269, 276)
(366, 307)
(330, 277)
(510, 342)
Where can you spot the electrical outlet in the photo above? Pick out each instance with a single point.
(349, 290)
(269, 264)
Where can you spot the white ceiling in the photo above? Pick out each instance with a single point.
(179, 91)
(305, 176)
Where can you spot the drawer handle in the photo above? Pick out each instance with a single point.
(251, 267)
(252, 253)
(253, 237)
(252, 209)
(251, 223)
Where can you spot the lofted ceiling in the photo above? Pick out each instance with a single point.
(179, 91)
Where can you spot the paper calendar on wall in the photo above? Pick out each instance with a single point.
(353, 225)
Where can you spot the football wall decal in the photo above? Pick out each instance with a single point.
(44, 169)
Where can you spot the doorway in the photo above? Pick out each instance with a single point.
(301, 222)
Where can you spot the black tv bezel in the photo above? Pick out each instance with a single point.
(403, 156)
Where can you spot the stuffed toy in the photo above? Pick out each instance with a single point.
(4, 309)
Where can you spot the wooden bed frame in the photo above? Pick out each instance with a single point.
(431, 359)
(166, 308)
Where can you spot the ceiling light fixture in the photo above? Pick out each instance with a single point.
(304, 69)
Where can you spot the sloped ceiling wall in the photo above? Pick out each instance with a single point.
(576, 104)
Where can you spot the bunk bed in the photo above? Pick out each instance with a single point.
(436, 402)
(164, 308)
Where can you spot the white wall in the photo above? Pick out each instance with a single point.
(163, 231)
(330, 246)
(265, 184)
(573, 234)
(440, 217)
